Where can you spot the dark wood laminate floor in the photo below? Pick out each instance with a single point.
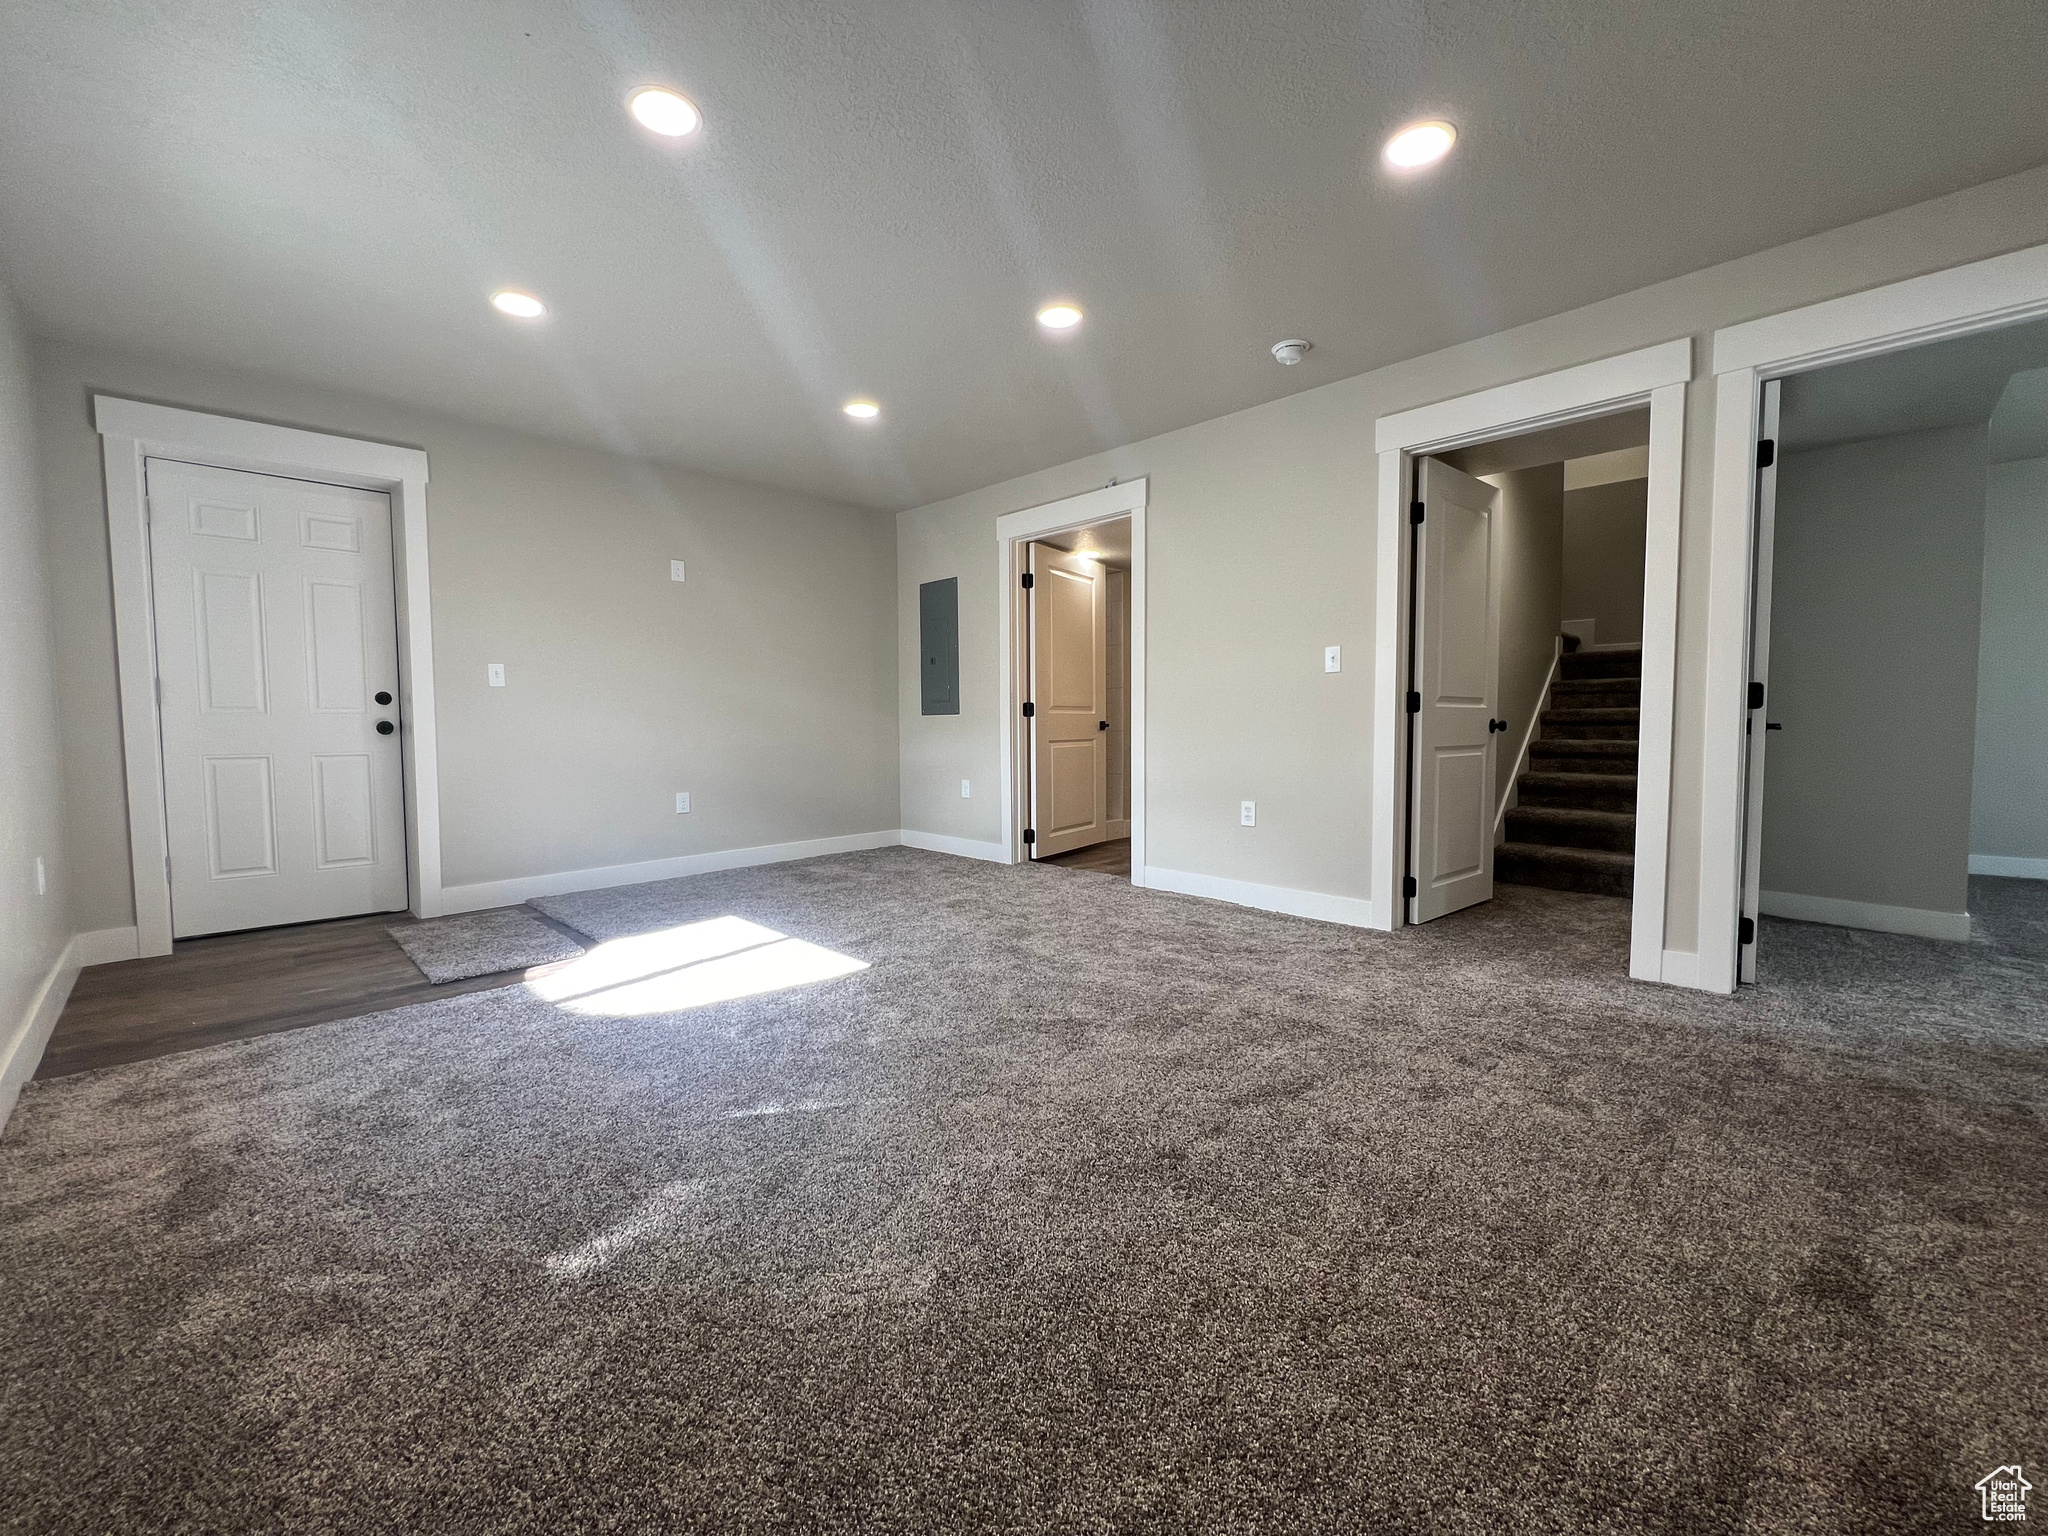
(1110, 858)
(235, 986)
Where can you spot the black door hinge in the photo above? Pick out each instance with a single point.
(1767, 453)
(1756, 695)
(1030, 710)
(1408, 885)
(1027, 579)
(1414, 512)
(1749, 930)
(1030, 837)
(1414, 702)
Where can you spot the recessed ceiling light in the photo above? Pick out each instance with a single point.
(862, 410)
(521, 306)
(1060, 317)
(1420, 144)
(665, 112)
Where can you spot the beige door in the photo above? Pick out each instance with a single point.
(1069, 701)
(1457, 664)
(277, 661)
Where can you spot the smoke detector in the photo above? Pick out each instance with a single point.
(1290, 352)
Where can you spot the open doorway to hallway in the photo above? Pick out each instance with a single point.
(1898, 702)
(1526, 663)
(1077, 642)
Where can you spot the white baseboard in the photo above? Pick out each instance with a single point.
(506, 893)
(103, 946)
(2012, 869)
(1119, 829)
(1352, 911)
(1865, 914)
(960, 847)
(23, 1051)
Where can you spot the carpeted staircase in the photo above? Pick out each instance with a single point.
(1574, 824)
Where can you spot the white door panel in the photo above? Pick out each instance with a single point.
(1070, 701)
(276, 626)
(1457, 665)
(1760, 677)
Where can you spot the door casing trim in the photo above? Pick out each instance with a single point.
(134, 431)
(1125, 498)
(1656, 376)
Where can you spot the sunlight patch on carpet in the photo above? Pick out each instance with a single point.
(689, 966)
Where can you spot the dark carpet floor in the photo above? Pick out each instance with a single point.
(1080, 1208)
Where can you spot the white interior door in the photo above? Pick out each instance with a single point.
(1759, 678)
(1457, 666)
(277, 667)
(1070, 701)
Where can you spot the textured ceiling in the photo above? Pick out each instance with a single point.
(884, 192)
(1944, 384)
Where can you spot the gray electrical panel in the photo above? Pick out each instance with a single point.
(938, 643)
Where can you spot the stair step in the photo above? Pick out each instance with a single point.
(1619, 663)
(1559, 826)
(1591, 724)
(1578, 791)
(1565, 869)
(1596, 692)
(1583, 756)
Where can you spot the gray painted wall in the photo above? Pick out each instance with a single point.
(34, 929)
(764, 685)
(1604, 538)
(1874, 636)
(1261, 552)
(2009, 815)
(1529, 576)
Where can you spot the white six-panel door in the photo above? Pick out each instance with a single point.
(277, 658)
(1070, 701)
(1457, 664)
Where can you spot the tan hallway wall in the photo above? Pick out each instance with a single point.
(2009, 806)
(1240, 707)
(34, 927)
(764, 684)
(1605, 528)
(1529, 576)
(1874, 633)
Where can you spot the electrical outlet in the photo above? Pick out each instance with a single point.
(42, 877)
(496, 673)
(1333, 658)
(965, 787)
(675, 570)
(1248, 814)
(683, 803)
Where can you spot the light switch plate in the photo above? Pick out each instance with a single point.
(675, 570)
(1248, 814)
(682, 802)
(964, 788)
(42, 877)
(1333, 658)
(497, 674)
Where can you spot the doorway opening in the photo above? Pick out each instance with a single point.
(1073, 707)
(1897, 723)
(1525, 687)
(1077, 614)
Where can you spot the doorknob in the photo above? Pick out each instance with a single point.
(383, 698)
(385, 727)
(1495, 725)
(1773, 725)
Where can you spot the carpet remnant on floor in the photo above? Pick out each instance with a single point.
(481, 944)
(1080, 1207)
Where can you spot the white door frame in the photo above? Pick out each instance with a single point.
(1014, 530)
(1960, 301)
(1656, 376)
(133, 431)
